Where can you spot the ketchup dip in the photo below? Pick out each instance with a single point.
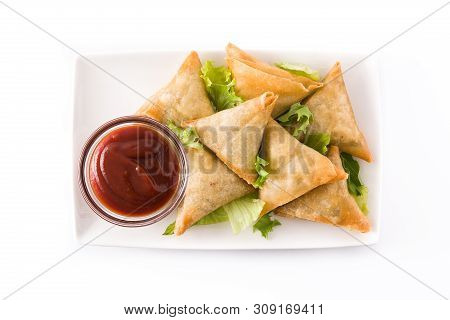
(133, 171)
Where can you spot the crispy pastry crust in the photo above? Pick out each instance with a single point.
(184, 98)
(330, 203)
(294, 168)
(211, 185)
(235, 134)
(333, 114)
(254, 77)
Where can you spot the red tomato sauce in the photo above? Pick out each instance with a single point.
(134, 171)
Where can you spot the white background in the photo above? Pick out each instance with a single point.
(36, 205)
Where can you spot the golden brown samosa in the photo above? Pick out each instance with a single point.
(235, 134)
(330, 203)
(333, 114)
(254, 77)
(211, 185)
(294, 168)
(184, 98)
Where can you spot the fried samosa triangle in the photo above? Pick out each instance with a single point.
(235, 134)
(333, 114)
(184, 98)
(254, 77)
(210, 185)
(330, 203)
(294, 168)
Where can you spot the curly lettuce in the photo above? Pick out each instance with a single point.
(355, 187)
(217, 216)
(318, 142)
(241, 213)
(220, 86)
(260, 163)
(265, 225)
(297, 119)
(299, 70)
(170, 229)
(187, 136)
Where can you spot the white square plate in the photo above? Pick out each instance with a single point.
(99, 98)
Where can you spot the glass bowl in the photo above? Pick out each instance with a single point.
(107, 213)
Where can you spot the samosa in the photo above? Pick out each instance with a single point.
(254, 77)
(235, 134)
(294, 168)
(211, 185)
(184, 98)
(333, 114)
(330, 203)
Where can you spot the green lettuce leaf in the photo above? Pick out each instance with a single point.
(299, 70)
(266, 224)
(187, 136)
(355, 187)
(220, 86)
(217, 216)
(169, 230)
(318, 141)
(298, 118)
(361, 200)
(243, 212)
(260, 163)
